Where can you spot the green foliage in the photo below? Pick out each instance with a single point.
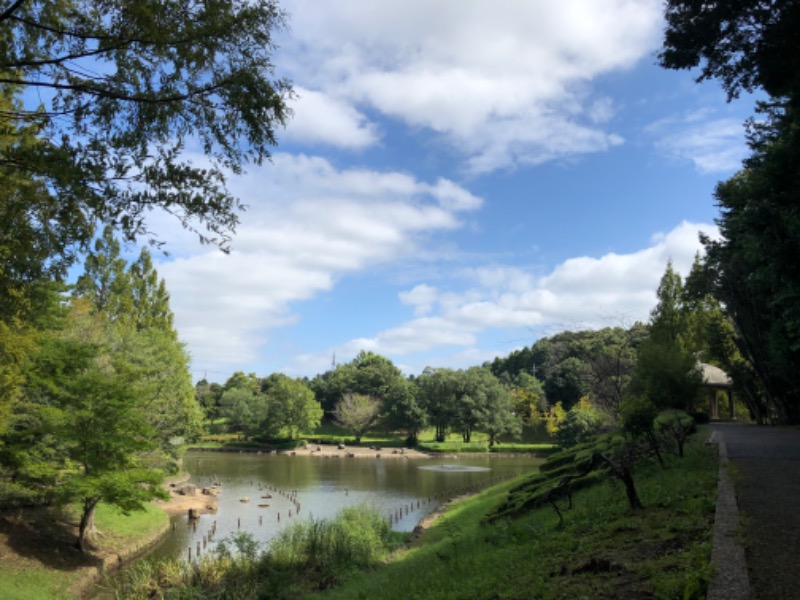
(580, 424)
(292, 407)
(243, 408)
(572, 364)
(567, 382)
(752, 270)
(675, 427)
(114, 92)
(357, 413)
(744, 44)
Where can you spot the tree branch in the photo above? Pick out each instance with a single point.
(7, 13)
(114, 95)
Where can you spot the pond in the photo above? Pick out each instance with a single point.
(282, 489)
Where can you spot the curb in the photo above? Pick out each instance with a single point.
(730, 580)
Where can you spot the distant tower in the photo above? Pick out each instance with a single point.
(333, 361)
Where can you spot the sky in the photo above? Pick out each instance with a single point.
(459, 179)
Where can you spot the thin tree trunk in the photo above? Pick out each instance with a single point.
(86, 526)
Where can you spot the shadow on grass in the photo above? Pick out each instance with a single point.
(43, 535)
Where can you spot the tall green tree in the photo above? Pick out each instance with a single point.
(438, 395)
(665, 373)
(135, 300)
(106, 280)
(293, 406)
(753, 45)
(405, 412)
(756, 274)
(90, 429)
(151, 309)
(118, 90)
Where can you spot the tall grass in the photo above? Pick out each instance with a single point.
(310, 555)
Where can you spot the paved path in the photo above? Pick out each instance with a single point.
(766, 475)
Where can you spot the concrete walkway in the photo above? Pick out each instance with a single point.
(765, 471)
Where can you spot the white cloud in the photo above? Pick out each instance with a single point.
(307, 224)
(322, 119)
(581, 290)
(712, 145)
(504, 84)
(421, 297)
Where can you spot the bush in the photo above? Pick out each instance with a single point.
(674, 427)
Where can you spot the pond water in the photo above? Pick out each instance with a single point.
(303, 487)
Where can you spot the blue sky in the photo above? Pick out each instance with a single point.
(459, 179)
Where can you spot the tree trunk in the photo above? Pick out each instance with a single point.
(86, 526)
(622, 473)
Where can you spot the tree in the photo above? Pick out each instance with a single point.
(496, 415)
(580, 424)
(151, 309)
(293, 405)
(438, 397)
(241, 407)
(357, 413)
(567, 382)
(404, 410)
(96, 421)
(106, 281)
(754, 266)
(121, 89)
(746, 44)
(527, 397)
(367, 374)
(134, 299)
(666, 373)
(750, 45)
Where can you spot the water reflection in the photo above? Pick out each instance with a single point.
(301, 487)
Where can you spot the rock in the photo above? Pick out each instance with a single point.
(188, 490)
(342, 447)
(245, 499)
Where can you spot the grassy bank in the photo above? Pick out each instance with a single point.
(39, 562)
(602, 550)
(532, 440)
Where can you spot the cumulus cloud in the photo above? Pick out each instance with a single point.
(321, 119)
(503, 85)
(582, 290)
(308, 223)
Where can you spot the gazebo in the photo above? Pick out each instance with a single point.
(715, 379)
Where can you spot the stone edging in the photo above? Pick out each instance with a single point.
(730, 580)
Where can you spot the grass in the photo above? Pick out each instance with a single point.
(603, 549)
(532, 440)
(313, 554)
(39, 562)
(118, 530)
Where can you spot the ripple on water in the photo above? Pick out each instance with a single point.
(454, 468)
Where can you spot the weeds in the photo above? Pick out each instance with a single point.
(314, 554)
